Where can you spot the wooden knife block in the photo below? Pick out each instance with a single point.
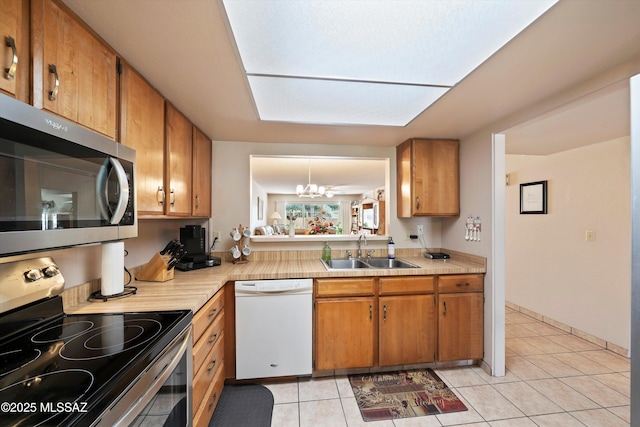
(156, 270)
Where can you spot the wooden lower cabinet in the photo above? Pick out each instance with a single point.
(460, 317)
(407, 329)
(344, 333)
(400, 320)
(407, 322)
(208, 358)
(344, 323)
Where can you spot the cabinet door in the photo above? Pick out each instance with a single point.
(404, 179)
(460, 326)
(201, 200)
(14, 44)
(435, 178)
(142, 128)
(178, 152)
(344, 333)
(78, 73)
(407, 329)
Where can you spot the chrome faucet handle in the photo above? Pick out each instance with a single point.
(369, 252)
(349, 254)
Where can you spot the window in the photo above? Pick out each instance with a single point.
(310, 214)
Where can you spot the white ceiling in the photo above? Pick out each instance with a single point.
(375, 62)
(184, 49)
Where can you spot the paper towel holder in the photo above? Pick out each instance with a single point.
(112, 279)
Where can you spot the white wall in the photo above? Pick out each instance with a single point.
(475, 200)
(550, 267)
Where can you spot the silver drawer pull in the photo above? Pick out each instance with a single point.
(10, 73)
(53, 94)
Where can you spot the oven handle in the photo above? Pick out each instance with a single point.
(145, 390)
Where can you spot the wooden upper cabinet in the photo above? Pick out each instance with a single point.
(14, 43)
(74, 72)
(201, 188)
(142, 128)
(428, 178)
(178, 152)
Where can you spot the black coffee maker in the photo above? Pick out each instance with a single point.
(193, 239)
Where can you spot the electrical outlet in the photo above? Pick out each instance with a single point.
(590, 236)
(420, 230)
(215, 235)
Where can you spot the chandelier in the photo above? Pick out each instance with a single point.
(312, 190)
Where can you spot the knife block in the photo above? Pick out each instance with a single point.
(156, 270)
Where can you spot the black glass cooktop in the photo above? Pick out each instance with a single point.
(67, 369)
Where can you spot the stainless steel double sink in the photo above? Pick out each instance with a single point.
(366, 263)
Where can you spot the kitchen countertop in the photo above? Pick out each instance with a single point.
(190, 290)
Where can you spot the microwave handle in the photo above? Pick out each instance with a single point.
(121, 175)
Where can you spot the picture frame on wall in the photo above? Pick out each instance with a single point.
(533, 198)
(260, 209)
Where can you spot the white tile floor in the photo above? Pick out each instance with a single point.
(553, 379)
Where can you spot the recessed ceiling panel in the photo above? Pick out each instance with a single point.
(424, 43)
(339, 102)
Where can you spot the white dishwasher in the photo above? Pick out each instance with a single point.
(273, 328)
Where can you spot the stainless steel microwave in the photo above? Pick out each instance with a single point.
(62, 184)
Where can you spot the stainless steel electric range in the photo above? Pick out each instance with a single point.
(88, 369)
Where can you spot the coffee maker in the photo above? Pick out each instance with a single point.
(193, 239)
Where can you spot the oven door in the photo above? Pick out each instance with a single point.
(160, 396)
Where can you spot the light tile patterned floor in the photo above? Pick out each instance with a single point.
(553, 379)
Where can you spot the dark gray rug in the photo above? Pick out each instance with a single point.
(247, 405)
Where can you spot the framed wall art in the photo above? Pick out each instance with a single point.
(533, 198)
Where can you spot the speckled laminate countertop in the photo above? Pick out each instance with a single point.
(190, 290)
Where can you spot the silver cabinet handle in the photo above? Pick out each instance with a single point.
(370, 312)
(10, 73)
(160, 196)
(417, 202)
(197, 201)
(173, 197)
(53, 94)
(385, 313)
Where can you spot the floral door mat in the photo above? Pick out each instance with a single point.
(403, 394)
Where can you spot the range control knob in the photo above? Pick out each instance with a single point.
(33, 275)
(50, 271)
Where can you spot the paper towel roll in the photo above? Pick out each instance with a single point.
(112, 268)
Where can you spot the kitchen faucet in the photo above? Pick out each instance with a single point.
(359, 244)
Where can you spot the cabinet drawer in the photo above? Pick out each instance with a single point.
(207, 341)
(461, 283)
(206, 372)
(344, 287)
(203, 415)
(203, 318)
(407, 285)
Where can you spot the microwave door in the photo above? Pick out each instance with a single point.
(112, 190)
